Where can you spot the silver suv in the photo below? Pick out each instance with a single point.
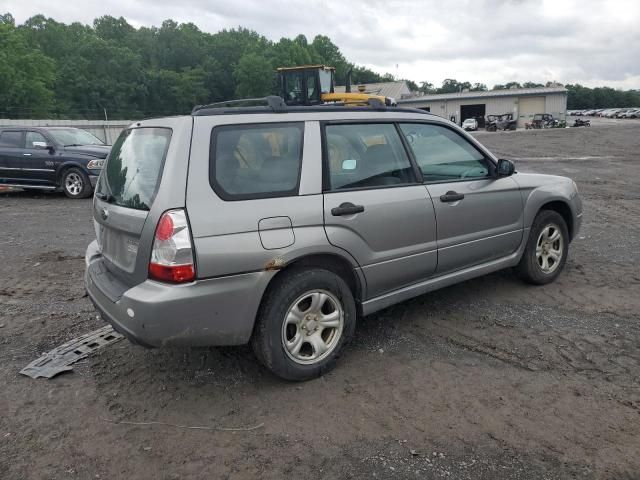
(280, 226)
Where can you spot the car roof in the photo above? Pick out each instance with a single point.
(299, 114)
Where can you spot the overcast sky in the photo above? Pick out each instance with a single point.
(592, 42)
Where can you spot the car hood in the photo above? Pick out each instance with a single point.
(98, 151)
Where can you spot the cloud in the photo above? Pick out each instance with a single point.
(490, 41)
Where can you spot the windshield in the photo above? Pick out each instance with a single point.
(74, 137)
(325, 81)
(130, 178)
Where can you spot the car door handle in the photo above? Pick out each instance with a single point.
(347, 208)
(26, 154)
(451, 196)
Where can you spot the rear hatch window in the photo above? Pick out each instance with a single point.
(131, 176)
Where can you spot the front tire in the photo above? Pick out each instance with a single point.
(305, 320)
(547, 248)
(75, 183)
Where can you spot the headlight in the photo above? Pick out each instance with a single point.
(95, 164)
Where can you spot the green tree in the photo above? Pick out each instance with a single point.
(289, 53)
(253, 76)
(451, 85)
(413, 86)
(427, 88)
(26, 75)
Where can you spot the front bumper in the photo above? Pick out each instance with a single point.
(217, 311)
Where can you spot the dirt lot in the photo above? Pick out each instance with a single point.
(489, 379)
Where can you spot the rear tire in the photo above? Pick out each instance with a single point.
(75, 183)
(547, 248)
(305, 319)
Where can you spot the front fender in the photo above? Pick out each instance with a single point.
(540, 190)
(65, 164)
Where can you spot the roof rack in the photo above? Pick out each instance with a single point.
(274, 102)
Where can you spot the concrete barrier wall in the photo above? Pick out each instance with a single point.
(105, 131)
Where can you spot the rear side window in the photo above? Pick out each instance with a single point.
(131, 176)
(256, 161)
(444, 155)
(11, 139)
(365, 156)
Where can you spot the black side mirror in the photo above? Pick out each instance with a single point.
(505, 168)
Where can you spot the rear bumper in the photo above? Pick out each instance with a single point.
(218, 311)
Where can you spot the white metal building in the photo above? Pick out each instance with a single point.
(523, 103)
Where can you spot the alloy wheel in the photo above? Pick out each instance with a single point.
(312, 327)
(549, 248)
(73, 183)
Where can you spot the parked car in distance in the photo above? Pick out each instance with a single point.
(504, 122)
(631, 113)
(51, 158)
(280, 226)
(621, 113)
(470, 124)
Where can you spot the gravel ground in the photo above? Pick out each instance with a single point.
(489, 379)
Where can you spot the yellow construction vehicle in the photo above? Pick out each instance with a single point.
(314, 85)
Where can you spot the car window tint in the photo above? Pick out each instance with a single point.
(74, 136)
(11, 139)
(256, 161)
(442, 154)
(366, 155)
(134, 167)
(34, 137)
(312, 87)
(293, 86)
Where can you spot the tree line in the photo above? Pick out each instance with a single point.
(56, 70)
(578, 97)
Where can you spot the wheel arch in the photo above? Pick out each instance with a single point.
(561, 207)
(63, 167)
(327, 261)
(332, 262)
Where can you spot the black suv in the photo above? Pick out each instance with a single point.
(51, 158)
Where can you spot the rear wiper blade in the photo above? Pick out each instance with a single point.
(74, 145)
(105, 197)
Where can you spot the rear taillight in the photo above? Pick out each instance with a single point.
(172, 254)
